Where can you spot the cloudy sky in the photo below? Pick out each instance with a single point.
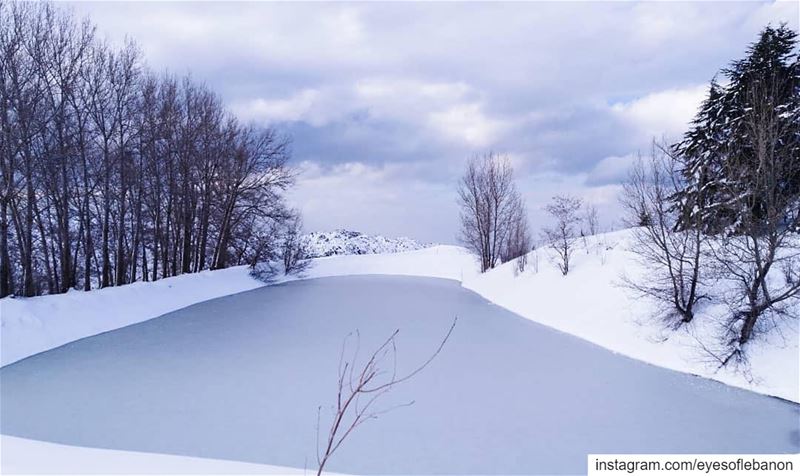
(386, 102)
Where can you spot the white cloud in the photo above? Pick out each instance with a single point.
(450, 109)
(776, 12)
(663, 113)
(468, 123)
(375, 199)
(397, 90)
(610, 170)
(348, 24)
(294, 108)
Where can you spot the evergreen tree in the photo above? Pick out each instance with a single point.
(723, 153)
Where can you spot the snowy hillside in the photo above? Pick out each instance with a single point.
(592, 304)
(345, 242)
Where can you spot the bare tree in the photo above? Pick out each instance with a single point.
(562, 236)
(294, 250)
(518, 242)
(360, 388)
(673, 259)
(535, 258)
(491, 208)
(591, 219)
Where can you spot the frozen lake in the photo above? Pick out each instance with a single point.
(241, 377)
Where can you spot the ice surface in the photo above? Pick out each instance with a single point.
(241, 377)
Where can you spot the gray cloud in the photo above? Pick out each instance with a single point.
(386, 101)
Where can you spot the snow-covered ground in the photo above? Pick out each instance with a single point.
(24, 456)
(592, 304)
(32, 325)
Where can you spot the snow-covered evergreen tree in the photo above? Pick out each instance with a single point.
(741, 166)
(721, 150)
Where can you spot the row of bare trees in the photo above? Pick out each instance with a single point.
(111, 173)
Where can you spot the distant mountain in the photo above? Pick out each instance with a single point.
(346, 242)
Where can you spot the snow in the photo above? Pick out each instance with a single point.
(24, 456)
(32, 325)
(441, 261)
(241, 378)
(592, 304)
(588, 303)
(346, 242)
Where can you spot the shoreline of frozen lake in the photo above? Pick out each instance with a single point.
(240, 377)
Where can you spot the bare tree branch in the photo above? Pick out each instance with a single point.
(350, 412)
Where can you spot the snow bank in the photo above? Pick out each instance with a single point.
(32, 325)
(591, 303)
(23, 456)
